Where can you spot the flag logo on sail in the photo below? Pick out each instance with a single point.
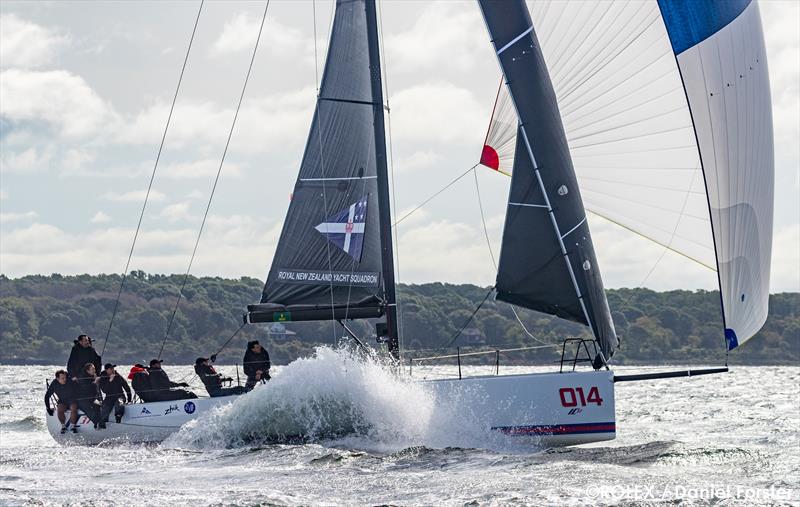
(346, 228)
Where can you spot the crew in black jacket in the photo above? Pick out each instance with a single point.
(65, 389)
(117, 394)
(88, 395)
(213, 380)
(256, 364)
(161, 385)
(82, 353)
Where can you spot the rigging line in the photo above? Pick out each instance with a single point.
(395, 241)
(228, 341)
(674, 231)
(494, 262)
(322, 165)
(429, 199)
(216, 181)
(152, 178)
(464, 326)
(645, 236)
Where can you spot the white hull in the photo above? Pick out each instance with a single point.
(544, 409)
(142, 422)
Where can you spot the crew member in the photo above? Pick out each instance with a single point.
(117, 393)
(89, 394)
(256, 364)
(162, 386)
(65, 389)
(140, 380)
(82, 352)
(213, 380)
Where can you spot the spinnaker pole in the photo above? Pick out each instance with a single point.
(385, 217)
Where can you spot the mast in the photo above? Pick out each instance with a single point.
(384, 212)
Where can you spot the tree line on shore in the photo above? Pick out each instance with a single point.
(41, 315)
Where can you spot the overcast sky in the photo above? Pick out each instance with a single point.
(85, 91)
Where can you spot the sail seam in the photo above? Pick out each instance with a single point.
(515, 40)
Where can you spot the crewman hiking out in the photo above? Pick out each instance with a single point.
(88, 398)
(66, 391)
(117, 393)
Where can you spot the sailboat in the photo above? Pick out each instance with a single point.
(334, 260)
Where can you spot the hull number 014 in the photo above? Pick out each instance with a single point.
(575, 397)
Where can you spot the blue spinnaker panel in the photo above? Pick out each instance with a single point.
(690, 22)
(719, 47)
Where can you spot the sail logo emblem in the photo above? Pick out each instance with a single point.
(346, 228)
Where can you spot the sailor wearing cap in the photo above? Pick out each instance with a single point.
(116, 391)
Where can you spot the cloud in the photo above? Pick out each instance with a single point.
(24, 44)
(133, 196)
(423, 159)
(176, 212)
(26, 161)
(16, 217)
(57, 98)
(444, 35)
(100, 218)
(786, 259)
(444, 251)
(232, 246)
(437, 113)
(240, 33)
(199, 169)
(265, 123)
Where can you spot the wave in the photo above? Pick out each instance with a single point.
(29, 423)
(340, 398)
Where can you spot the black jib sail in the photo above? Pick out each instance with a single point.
(333, 260)
(547, 261)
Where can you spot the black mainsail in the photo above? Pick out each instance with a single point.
(547, 261)
(334, 257)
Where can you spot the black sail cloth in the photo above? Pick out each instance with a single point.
(547, 261)
(328, 260)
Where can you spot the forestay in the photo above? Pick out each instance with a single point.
(637, 136)
(547, 261)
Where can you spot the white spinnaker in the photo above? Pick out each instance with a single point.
(634, 145)
(727, 85)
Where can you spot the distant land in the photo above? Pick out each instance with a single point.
(40, 316)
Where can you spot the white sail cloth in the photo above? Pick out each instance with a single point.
(671, 142)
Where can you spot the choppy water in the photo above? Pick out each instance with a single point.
(723, 439)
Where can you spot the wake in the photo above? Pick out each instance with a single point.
(335, 397)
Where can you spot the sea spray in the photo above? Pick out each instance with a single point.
(335, 395)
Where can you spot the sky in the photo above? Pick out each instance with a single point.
(85, 90)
